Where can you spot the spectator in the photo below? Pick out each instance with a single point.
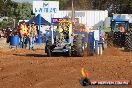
(32, 33)
(23, 35)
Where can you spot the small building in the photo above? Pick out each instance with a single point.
(90, 18)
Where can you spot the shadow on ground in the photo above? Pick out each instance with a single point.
(44, 55)
(31, 55)
(126, 50)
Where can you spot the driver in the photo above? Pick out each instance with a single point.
(122, 29)
(66, 32)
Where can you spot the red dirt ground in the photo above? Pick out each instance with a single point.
(33, 69)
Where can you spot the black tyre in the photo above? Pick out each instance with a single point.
(119, 39)
(109, 38)
(128, 41)
(69, 53)
(80, 51)
(49, 52)
(49, 41)
(78, 46)
(45, 49)
(48, 47)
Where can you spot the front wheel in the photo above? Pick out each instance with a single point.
(49, 52)
(69, 53)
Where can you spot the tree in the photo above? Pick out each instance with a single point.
(6, 7)
(63, 4)
(113, 6)
(23, 11)
(78, 4)
(5, 23)
(14, 10)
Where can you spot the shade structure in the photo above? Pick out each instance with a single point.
(36, 20)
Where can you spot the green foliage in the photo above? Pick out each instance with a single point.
(63, 4)
(5, 23)
(114, 6)
(6, 8)
(23, 11)
(14, 10)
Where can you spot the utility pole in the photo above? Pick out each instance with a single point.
(73, 11)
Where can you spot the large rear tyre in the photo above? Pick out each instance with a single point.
(80, 51)
(109, 38)
(78, 46)
(128, 41)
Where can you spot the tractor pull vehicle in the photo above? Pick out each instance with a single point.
(63, 40)
(120, 34)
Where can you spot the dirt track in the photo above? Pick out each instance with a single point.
(32, 69)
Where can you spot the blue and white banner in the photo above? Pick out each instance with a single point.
(45, 7)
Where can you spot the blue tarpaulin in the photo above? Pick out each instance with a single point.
(36, 20)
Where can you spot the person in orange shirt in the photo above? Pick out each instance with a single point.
(23, 34)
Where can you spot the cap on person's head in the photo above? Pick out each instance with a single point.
(23, 21)
(33, 23)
